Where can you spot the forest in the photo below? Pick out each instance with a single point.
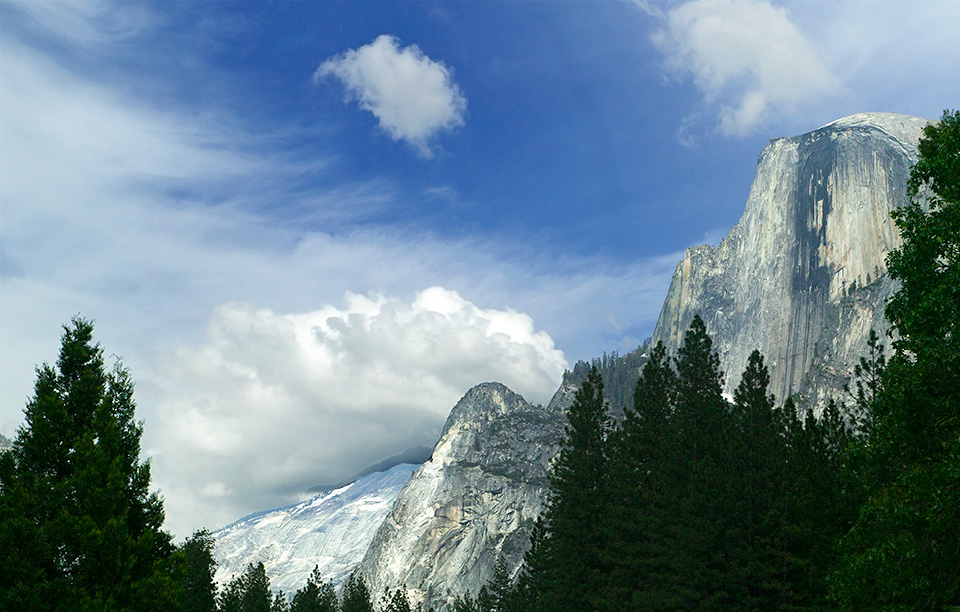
(688, 502)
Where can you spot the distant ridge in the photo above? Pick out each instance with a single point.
(415, 456)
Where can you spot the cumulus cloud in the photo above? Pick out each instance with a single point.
(273, 403)
(747, 57)
(412, 96)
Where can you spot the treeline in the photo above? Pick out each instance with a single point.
(697, 503)
(251, 592)
(692, 502)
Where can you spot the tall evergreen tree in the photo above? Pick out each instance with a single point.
(356, 595)
(573, 572)
(759, 520)
(904, 551)
(195, 567)
(636, 537)
(702, 463)
(256, 589)
(528, 590)
(79, 528)
(316, 596)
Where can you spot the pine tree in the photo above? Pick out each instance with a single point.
(573, 574)
(79, 528)
(230, 598)
(356, 595)
(639, 483)
(195, 569)
(256, 589)
(396, 602)
(316, 596)
(702, 463)
(759, 519)
(528, 590)
(500, 587)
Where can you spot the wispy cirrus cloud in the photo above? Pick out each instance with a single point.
(412, 96)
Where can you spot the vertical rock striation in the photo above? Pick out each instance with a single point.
(475, 500)
(802, 276)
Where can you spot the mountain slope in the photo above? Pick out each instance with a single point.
(332, 530)
(802, 276)
(475, 500)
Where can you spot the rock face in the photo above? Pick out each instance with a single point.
(802, 276)
(474, 501)
(331, 530)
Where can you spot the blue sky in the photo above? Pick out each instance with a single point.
(309, 227)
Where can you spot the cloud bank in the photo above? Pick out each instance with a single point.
(274, 403)
(413, 97)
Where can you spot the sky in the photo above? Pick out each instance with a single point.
(308, 228)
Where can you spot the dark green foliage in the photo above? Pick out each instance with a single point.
(79, 528)
(528, 587)
(572, 571)
(356, 595)
(396, 602)
(250, 592)
(703, 505)
(256, 590)
(903, 553)
(195, 567)
(316, 596)
(757, 539)
(636, 539)
(465, 603)
(230, 598)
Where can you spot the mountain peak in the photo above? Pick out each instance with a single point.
(902, 127)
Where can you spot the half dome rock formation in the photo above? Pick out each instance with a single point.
(802, 276)
(474, 501)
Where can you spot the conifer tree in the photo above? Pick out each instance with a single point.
(356, 595)
(573, 571)
(230, 598)
(529, 586)
(195, 568)
(639, 483)
(702, 461)
(256, 589)
(759, 518)
(79, 528)
(396, 602)
(316, 596)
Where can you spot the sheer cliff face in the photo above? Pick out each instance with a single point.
(475, 500)
(802, 276)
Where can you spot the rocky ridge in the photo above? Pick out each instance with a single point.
(802, 276)
(474, 501)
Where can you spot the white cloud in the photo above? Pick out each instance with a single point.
(747, 57)
(413, 96)
(273, 403)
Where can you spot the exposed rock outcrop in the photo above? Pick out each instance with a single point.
(475, 500)
(802, 276)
